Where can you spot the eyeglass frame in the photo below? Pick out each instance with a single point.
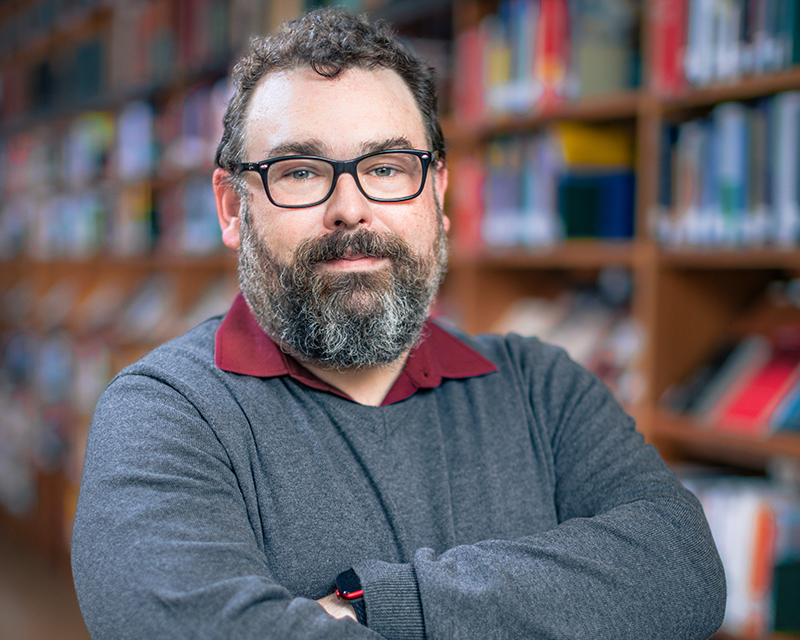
(339, 167)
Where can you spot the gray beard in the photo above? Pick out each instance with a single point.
(341, 320)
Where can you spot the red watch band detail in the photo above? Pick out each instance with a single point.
(350, 595)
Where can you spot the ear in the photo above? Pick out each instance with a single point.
(440, 178)
(228, 209)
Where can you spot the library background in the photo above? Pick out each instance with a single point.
(624, 183)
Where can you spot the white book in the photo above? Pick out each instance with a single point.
(699, 58)
(785, 168)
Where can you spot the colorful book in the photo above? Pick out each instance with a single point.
(749, 355)
(598, 206)
(466, 203)
(786, 416)
(667, 45)
(748, 412)
(468, 78)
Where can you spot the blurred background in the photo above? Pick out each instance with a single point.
(624, 183)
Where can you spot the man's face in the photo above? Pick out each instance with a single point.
(346, 283)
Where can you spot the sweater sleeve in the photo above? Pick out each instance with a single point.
(163, 546)
(631, 557)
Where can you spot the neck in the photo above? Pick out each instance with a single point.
(366, 385)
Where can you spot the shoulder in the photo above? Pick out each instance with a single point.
(196, 345)
(184, 365)
(513, 351)
(542, 376)
(190, 355)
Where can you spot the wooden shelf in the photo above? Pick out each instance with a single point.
(742, 89)
(156, 261)
(732, 258)
(609, 107)
(573, 254)
(75, 25)
(692, 437)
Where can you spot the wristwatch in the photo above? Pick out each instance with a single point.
(348, 587)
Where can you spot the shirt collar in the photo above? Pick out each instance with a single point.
(242, 347)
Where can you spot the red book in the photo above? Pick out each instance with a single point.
(748, 411)
(552, 47)
(668, 25)
(468, 85)
(467, 203)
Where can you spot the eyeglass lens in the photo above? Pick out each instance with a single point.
(303, 181)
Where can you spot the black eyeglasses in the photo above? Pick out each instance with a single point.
(295, 182)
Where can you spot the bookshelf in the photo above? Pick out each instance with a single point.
(683, 297)
(686, 297)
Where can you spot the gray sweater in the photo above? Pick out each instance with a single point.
(517, 504)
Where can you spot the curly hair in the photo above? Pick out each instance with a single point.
(328, 41)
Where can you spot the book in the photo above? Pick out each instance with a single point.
(199, 232)
(585, 145)
(730, 124)
(731, 179)
(467, 202)
(785, 136)
(748, 412)
(605, 45)
(521, 192)
(502, 219)
(786, 416)
(667, 23)
(541, 225)
(469, 75)
(131, 228)
(750, 354)
(553, 50)
(684, 396)
(598, 206)
(756, 527)
(134, 144)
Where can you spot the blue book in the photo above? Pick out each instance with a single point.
(786, 416)
(597, 205)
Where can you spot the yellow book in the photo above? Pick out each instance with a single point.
(585, 145)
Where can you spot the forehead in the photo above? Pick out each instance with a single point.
(340, 115)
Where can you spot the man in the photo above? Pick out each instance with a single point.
(326, 434)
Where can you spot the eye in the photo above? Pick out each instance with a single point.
(295, 172)
(300, 174)
(384, 171)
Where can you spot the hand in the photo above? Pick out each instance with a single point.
(337, 608)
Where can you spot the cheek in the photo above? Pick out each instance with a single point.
(418, 227)
(284, 230)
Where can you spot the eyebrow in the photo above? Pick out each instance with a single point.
(315, 147)
(309, 148)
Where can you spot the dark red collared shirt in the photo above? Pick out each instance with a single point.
(243, 347)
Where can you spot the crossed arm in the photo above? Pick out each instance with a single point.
(165, 547)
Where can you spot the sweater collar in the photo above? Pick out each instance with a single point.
(242, 347)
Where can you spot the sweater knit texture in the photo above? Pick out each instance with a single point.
(517, 504)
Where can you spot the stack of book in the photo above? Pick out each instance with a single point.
(749, 388)
(756, 527)
(569, 181)
(732, 178)
(533, 52)
(121, 184)
(698, 42)
(593, 325)
(60, 348)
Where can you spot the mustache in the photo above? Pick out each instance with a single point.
(341, 244)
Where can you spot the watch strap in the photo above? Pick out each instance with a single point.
(348, 588)
(361, 610)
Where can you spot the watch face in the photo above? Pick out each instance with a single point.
(348, 586)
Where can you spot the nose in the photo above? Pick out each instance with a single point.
(347, 207)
